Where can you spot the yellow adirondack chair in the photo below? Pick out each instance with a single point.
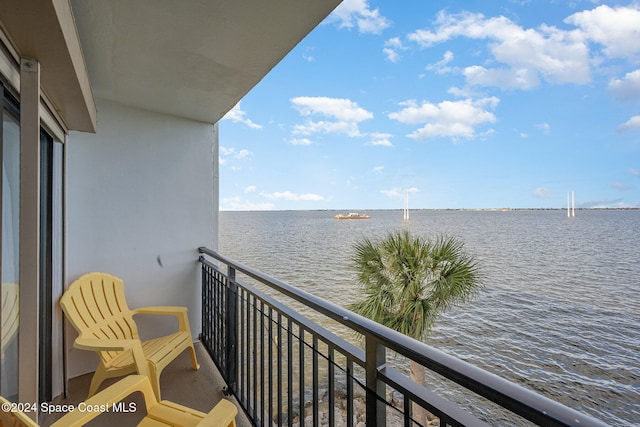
(95, 305)
(10, 306)
(159, 414)
(11, 418)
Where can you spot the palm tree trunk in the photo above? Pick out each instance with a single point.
(417, 374)
(419, 414)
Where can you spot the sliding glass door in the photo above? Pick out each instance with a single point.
(51, 285)
(10, 205)
(50, 339)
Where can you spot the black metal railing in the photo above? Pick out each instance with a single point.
(285, 369)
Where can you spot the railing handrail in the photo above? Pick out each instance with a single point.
(517, 399)
(354, 352)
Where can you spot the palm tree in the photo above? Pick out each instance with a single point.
(407, 281)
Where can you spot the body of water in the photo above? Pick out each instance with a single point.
(559, 313)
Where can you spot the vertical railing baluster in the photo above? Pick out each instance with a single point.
(225, 318)
(407, 411)
(203, 280)
(279, 362)
(248, 350)
(255, 355)
(350, 414)
(289, 372)
(215, 316)
(331, 384)
(271, 350)
(243, 333)
(316, 385)
(221, 313)
(375, 355)
(262, 361)
(302, 370)
(230, 328)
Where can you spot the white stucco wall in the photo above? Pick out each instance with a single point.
(141, 198)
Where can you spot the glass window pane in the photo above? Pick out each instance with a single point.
(10, 254)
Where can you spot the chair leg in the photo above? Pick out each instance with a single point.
(154, 378)
(194, 361)
(96, 380)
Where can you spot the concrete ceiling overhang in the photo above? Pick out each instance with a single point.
(194, 59)
(44, 30)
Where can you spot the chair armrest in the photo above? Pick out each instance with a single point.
(178, 311)
(221, 415)
(106, 398)
(161, 309)
(96, 344)
(133, 345)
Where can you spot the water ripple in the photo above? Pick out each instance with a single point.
(558, 315)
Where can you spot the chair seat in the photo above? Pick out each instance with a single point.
(158, 414)
(173, 414)
(167, 413)
(155, 350)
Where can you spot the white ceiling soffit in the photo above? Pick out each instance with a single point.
(194, 59)
(44, 30)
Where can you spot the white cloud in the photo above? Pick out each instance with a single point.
(288, 195)
(345, 115)
(441, 67)
(505, 78)
(250, 189)
(448, 118)
(242, 154)
(378, 169)
(398, 193)
(544, 127)
(226, 153)
(543, 193)
(634, 172)
(357, 13)
(630, 125)
(301, 141)
(627, 88)
(392, 48)
(617, 29)
(239, 204)
(380, 139)
(620, 186)
(236, 115)
(528, 55)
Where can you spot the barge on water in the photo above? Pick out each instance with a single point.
(353, 215)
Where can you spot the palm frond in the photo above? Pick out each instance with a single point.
(407, 280)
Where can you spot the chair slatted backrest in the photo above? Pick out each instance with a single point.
(10, 310)
(95, 305)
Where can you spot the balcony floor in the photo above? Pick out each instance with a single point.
(179, 383)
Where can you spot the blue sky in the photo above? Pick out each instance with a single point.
(465, 104)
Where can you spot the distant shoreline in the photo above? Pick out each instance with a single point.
(439, 209)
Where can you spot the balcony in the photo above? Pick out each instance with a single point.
(285, 369)
(281, 368)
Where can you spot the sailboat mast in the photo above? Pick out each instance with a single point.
(573, 205)
(405, 213)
